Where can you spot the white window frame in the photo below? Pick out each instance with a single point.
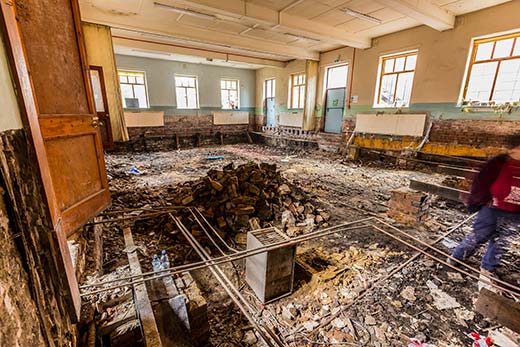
(273, 87)
(381, 73)
(196, 87)
(471, 62)
(237, 106)
(292, 85)
(130, 71)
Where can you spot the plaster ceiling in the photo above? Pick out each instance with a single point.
(272, 31)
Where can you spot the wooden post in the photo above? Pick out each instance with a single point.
(142, 302)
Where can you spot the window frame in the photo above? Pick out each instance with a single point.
(292, 85)
(471, 63)
(227, 89)
(196, 87)
(145, 84)
(273, 87)
(381, 73)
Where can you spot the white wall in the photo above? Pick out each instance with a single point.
(160, 80)
(10, 117)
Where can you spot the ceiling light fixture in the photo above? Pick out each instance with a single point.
(363, 16)
(301, 37)
(184, 11)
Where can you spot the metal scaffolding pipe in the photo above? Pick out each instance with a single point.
(228, 258)
(230, 289)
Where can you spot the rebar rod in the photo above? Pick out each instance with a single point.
(486, 281)
(394, 271)
(212, 229)
(448, 256)
(219, 260)
(228, 286)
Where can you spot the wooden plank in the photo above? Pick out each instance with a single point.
(442, 191)
(457, 171)
(142, 302)
(499, 308)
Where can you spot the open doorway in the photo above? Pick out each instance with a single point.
(336, 85)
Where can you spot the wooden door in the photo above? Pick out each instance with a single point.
(50, 57)
(99, 92)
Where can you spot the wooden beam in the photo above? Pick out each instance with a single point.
(423, 11)
(442, 191)
(499, 308)
(457, 171)
(142, 302)
(238, 10)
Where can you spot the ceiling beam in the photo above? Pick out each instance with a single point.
(141, 44)
(161, 24)
(423, 11)
(281, 21)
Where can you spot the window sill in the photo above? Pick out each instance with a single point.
(392, 107)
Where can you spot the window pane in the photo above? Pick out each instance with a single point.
(411, 60)
(180, 94)
(484, 51)
(389, 65)
(192, 97)
(503, 48)
(127, 91)
(131, 79)
(516, 51)
(302, 97)
(140, 94)
(123, 79)
(399, 64)
(303, 79)
(295, 97)
(480, 81)
(222, 84)
(225, 99)
(387, 90)
(337, 77)
(96, 90)
(139, 79)
(507, 87)
(404, 89)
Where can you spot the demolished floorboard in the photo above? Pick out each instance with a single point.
(499, 308)
(142, 302)
(442, 191)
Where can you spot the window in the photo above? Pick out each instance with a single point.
(337, 77)
(494, 70)
(297, 92)
(269, 89)
(186, 92)
(395, 80)
(133, 89)
(229, 94)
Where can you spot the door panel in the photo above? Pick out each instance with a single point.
(270, 112)
(67, 116)
(335, 101)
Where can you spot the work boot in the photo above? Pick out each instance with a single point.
(453, 262)
(488, 276)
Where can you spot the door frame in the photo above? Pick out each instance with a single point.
(105, 116)
(325, 89)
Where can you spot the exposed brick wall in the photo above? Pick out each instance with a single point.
(184, 131)
(476, 133)
(39, 248)
(20, 322)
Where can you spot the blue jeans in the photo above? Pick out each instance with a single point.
(488, 227)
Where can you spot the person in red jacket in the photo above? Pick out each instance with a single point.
(495, 194)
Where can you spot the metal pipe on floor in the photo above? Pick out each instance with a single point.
(224, 259)
(448, 256)
(449, 265)
(198, 219)
(228, 286)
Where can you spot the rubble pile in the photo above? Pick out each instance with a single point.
(248, 197)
